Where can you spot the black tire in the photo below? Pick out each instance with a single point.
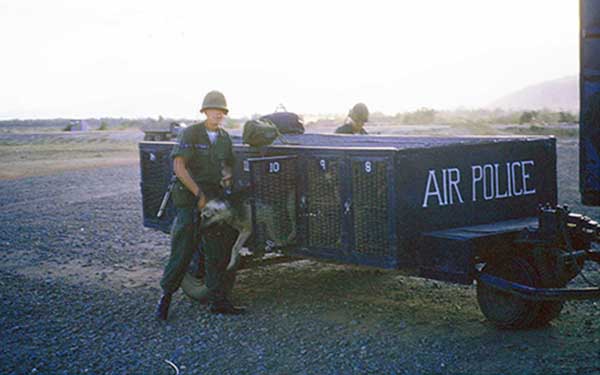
(503, 309)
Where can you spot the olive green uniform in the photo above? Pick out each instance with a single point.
(359, 114)
(348, 129)
(204, 162)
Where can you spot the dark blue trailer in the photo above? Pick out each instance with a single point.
(455, 209)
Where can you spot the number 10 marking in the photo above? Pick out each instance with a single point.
(274, 167)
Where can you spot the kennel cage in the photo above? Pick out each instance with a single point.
(378, 205)
(344, 200)
(156, 172)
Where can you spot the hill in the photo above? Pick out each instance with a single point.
(558, 94)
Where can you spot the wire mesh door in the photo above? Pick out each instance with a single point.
(274, 203)
(373, 231)
(322, 201)
(156, 172)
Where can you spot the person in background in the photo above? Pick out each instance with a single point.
(355, 122)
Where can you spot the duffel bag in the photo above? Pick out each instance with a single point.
(258, 133)
(286, 122)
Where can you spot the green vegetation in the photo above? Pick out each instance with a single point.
(528, 117)
(544, 130)
(567, 117)
(466, 121)
(547, 117)
(423, 116)
(464, 117)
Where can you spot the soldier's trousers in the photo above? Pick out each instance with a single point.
(216, 245)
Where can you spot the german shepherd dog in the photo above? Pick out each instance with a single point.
(235, 211)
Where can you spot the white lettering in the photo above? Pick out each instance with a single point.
(445, 185)
(487, 182)
(431, 179)
(497, 178)
(514, 179)
(508, 179)
(274, 167)
(486, 168)
(526, 177)
(454, 181)
(476, 179)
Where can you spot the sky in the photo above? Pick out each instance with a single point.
(91, 58)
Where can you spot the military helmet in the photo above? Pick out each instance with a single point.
(359, 113)
(214, 100)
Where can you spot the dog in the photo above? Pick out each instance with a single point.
(238, 216)
(235, 211)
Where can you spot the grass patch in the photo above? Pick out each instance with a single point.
(559, 132)
(477, 129)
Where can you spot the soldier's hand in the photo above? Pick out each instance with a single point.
(226, 181)
(201, 202)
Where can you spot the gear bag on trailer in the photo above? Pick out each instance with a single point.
(286, 122)
(258, 133)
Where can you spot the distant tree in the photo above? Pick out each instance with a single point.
(423, 116)
(528, 117)
(566, 117)
(103, 126)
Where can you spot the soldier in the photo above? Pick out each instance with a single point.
(357, 117)
(202, 161)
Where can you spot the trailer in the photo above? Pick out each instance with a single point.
(464, 210)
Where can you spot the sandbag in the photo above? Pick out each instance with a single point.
(258, 133)
(286, 122)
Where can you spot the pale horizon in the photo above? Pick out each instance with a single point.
(76, 59)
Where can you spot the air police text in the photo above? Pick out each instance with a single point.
(446, 186)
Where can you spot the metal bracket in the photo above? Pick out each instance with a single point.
(538, 294)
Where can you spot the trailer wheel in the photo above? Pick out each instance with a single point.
(503, 309)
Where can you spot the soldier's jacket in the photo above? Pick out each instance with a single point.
(203, 160)
(347, 129)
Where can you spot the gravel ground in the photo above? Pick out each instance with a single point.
(79, 280)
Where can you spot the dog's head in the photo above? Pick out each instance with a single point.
(215, 211)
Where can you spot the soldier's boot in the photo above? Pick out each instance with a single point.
(162, 308)
(225, 307)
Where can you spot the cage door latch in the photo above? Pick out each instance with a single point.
(347, 207)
